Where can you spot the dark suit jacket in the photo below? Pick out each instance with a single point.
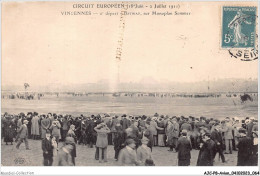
(47, 147)
(183, 148)
(216, 136)
(118, 140)
(206, 154)
(125, 123)
(249, 129)
(109, 124)
(161, 125)
(90, 127)
(244, 154)
(64, 124)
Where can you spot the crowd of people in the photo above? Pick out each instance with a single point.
(133, 137)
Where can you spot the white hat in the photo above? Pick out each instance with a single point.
(25, 121)
(247, 121)
(236, 118)
(252, 118)
(154, 118)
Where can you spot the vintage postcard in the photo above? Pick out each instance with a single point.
(129, 83)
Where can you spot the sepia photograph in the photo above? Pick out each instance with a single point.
(131, 83)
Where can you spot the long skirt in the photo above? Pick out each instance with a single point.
(184, 162)
(161, 140)
(8, 135)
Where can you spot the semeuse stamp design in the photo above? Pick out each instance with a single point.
(238, 27)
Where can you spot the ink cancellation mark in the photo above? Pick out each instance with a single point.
(239, 32)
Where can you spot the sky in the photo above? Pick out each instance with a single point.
(41, 47)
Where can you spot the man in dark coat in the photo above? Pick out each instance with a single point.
(183, 148)
(64, 127)
(90, 131)
(78, 127)
(207, 151)
(109, 135)
(47, 149)
(118, 140)
(244, 146)
(125, 124)
(115, 121)
(141, 123)
(135, 133)
(29, 126)
(83, 132)
(217, 138)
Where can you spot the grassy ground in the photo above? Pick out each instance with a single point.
(208, 107)
(10, 156)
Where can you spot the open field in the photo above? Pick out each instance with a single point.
(85, 156)
(208, 107)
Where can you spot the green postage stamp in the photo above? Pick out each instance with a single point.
(238, 27)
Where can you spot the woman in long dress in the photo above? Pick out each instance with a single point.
(9, 130)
